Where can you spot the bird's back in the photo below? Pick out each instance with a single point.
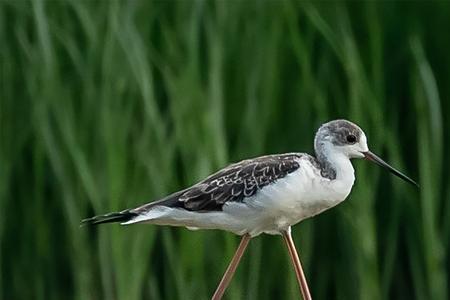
(263, 194)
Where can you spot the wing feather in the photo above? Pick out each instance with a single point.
(238, 181)
(233, 183)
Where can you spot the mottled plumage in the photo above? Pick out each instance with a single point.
(233, 183)
(267, 194)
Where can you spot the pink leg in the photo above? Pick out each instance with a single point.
(231, 268)
(297, 265)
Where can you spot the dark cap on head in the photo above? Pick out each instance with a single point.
(340, 132)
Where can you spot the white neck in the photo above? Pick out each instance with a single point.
(342, 165)
(337, 161)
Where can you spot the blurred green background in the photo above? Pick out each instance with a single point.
(109, 104)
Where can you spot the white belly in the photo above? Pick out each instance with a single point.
(299, 195)
(296, 197)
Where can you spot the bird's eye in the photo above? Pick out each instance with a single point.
(351, 139)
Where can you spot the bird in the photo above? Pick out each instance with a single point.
(267, 194)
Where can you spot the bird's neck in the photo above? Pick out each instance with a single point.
(335, 165)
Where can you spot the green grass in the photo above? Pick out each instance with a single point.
(106, 105)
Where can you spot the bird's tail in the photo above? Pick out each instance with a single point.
(123, 216)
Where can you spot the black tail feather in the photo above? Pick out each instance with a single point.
(114, 217)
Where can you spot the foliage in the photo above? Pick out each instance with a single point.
(109, 104)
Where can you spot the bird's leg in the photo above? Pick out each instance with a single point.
(297, 265)
(225, 281)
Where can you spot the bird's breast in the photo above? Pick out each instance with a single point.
(300, 195)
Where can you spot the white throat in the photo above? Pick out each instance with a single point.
(341, 185)
(338, 161)
(342, 165)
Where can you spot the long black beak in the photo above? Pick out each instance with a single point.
(372, 157)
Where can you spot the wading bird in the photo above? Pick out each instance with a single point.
(267, 194)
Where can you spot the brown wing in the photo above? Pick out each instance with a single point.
(234, 183)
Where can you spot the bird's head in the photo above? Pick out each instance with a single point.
(342, 137)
